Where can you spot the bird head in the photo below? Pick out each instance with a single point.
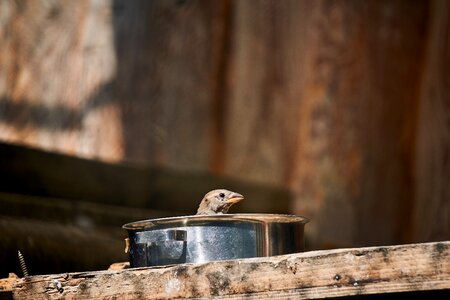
(218, 202)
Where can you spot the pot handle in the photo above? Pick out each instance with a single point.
(127, 245)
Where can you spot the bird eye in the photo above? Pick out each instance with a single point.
(222, 195)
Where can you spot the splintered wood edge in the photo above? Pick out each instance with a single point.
(315, 274)
(6, 284)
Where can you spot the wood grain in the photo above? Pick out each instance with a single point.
(321, 87)
(36, 172)
(166, 80)
(318, 274)
(6, 284)
(57, 66)
(432, 181)
(343, 103)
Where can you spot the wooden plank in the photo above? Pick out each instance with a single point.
(318, 274)
(56, 80)
(329, 92)
(6, 284)
(50, 247)
(361, 125)
(39, 173)
(432, 205)
(58, 235)
(64, 211)
(167, 50)
(264, 82)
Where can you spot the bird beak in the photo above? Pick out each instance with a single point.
(234, 198)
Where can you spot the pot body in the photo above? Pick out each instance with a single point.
(196, 239)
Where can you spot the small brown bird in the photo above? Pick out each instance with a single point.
(218, 202)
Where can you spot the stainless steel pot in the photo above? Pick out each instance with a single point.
(195, 239)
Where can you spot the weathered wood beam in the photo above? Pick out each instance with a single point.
(6, 286)
(74, 212)
(39, 173)
(52, 247)
(57, 235)
(317, 274)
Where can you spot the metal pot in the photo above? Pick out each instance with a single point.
(195, 239)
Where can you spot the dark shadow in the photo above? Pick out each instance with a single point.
(65, 213)
(34, 172)
(435, 295)
(24, 113)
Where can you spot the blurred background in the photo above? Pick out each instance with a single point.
(118, 111)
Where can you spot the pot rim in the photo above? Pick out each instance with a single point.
(199, 219)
